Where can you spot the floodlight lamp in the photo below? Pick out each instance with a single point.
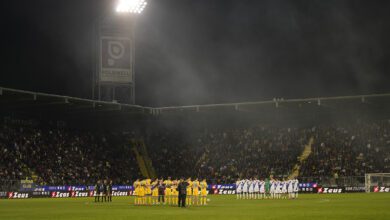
(131, 6)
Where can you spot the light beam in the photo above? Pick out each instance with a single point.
(131, 6)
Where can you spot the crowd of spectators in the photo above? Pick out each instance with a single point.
(57, 156)
(349, 150)
(223, 155)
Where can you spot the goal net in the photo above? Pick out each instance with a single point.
(377, 182)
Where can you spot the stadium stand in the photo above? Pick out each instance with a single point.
(349, 150)
(60, 140)
(60, 157)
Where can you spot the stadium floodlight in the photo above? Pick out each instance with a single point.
(131, 6)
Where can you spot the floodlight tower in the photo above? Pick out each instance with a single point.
(114, 48)
(132, 8)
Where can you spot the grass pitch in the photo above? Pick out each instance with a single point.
(309, 206)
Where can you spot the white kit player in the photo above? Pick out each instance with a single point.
(245, 189)
(295, 189)
(262, 189)
(273, 188)
(256, 189)
(278, 190)
(251, 189)
(284, 189)
(290, 189)
(239, 185)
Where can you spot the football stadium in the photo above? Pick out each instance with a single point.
(269, 109)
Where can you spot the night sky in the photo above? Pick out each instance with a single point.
(206, 51)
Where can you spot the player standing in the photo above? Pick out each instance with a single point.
(102, 191)
(262, 189)
(174, 192)
(136, 186)
(168, 196)
(256, 188)
(284, 189)
(195, 191)
(278, 189)
(296, 188)
(109, 190)
(203, 192)
(154, 187)
(267, 188)
(245, 188)
(290, 188)
(161, 192)
(142, 190)
(148, 191)
(251, 188)
(189, 192)
(272, 188)
(97, 191)
(239, 188)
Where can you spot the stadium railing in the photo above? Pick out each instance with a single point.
(343, 181)
(9, 185)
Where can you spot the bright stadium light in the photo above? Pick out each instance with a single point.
(131, 6)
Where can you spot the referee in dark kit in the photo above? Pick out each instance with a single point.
(182, 188)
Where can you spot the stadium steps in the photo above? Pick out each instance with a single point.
(147, 161)
(141, 163)
(305, 154)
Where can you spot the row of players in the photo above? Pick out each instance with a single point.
(160, 191)
(103, 190)
(264, 189)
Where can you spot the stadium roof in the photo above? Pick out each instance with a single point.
(373, 100)
(14, 99)
(20, 100)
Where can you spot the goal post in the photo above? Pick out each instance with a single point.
(378, 180)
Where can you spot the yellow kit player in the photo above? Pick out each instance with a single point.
(154, 187)
(174, 192)
(203, 192)
(148, 191)
(136, 185)
(168, 194)
(195, 191)
(189, 192)
(141, 193)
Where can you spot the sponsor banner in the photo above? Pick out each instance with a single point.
(79, 194)
(307, 190)
(115, 60)
(330, 190)
(114, 193)
(355, 189)
(3, 195)
(58, 194)
(122, 188)
(380, 189)
(122, 193)
(77, 188)
(40, 194)
(18, 195)
(54, 188)
(115, 188)
(222, 189)
(307, 185)
(39, 189)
